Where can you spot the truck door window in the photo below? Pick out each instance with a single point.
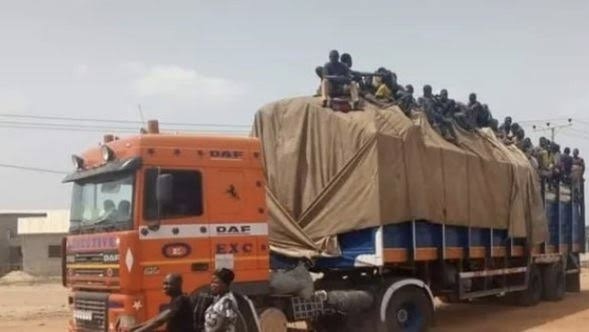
(186, 194)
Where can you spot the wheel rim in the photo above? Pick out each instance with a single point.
(408, 316)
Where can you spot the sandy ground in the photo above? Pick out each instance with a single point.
(43, 308)
(570, 314)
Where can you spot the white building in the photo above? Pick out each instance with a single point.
(40, 240)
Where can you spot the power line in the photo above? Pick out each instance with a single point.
(542, 120)
(577, 133)
(585, 122)
(34, 169)
(78, 119)
(115, 129)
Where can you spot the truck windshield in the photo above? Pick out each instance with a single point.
(102, 204)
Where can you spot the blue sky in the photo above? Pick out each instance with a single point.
(219, 61)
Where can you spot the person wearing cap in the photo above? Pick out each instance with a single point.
(222, 315)
(177, 315)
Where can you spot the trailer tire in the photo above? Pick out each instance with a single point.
(409, 309)
(532, 295)
(573, 282)
(272, 320)
(554, 280)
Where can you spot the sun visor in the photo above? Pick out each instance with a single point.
(113, 167)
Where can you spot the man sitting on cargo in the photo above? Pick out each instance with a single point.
(520, 136)
(506, 127)
(336, 80)
(426, 101)
(444, 109)
(178, 314)
(406, 100)
(383, 90)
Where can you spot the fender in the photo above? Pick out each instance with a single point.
(253, 309)
(395, 286)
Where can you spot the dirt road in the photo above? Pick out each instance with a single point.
(33, 308)
(43, 308)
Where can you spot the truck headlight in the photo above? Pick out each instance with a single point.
(78, 162)
(107, 153)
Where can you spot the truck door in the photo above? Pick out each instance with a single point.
(181, 243)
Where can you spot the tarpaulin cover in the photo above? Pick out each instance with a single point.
(330, 172)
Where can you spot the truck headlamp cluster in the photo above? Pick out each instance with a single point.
(107, 153)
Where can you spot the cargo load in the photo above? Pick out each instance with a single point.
(330, 173)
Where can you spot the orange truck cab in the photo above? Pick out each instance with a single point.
(152, 204)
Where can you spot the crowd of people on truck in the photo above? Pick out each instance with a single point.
(445, 115)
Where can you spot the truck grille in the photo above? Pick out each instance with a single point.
(98, 270)
(90, 311)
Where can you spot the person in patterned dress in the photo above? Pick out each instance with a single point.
(223, 313)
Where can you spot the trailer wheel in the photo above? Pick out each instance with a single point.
(408, 310)
(532, 295)
(573, 282)
(554, 280)
(272, 320)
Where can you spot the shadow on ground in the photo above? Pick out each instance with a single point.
(490, 315)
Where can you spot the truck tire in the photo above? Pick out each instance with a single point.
(573, 282)
(532, 295)
(554, 280)
(273, 320)
(408, 310)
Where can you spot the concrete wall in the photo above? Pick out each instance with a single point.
(8, 223)
(35, 249)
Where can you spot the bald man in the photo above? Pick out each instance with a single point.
(178, 314)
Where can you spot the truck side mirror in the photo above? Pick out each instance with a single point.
(163, 192)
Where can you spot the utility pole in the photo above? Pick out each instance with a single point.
(553, 128)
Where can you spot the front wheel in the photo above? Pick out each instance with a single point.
(408, 310)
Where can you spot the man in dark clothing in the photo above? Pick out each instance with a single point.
(566, 165)
(346, 59)
(475, 109)
(336, 77)
(406, 100)
(427, 100)
(506, 127)
(577, 170)
(357, 77)
(444, 105)
(484, 117)
(444, 111)
(177, 315)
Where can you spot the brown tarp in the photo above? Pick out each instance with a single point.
(330, 173)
